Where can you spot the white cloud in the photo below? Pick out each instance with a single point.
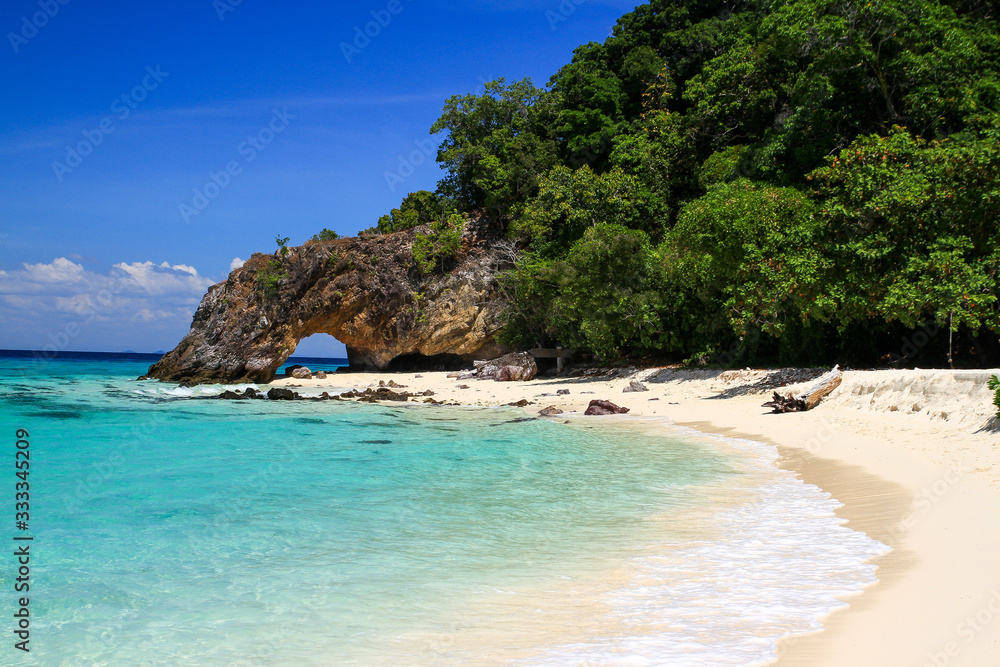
(162, 279)
(45, 297)
(180, 267)
(236, 263)
(61, 270)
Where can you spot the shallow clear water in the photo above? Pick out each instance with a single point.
(176, 531)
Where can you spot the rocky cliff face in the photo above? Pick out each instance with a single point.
(366, 292)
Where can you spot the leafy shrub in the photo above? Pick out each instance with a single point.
(722, 166)
(732, 248)
(282, 245)
(994, 384)
(605, 296)
(418, 208)
(270, 276)
(569, 202)
(325, 235)
(434, 250)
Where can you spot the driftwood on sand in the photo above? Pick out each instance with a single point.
(810, 397)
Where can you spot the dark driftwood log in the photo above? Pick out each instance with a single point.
(810, 398)
(780, 404)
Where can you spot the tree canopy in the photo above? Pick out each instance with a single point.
(799, 181)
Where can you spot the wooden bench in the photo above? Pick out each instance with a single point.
(558, 353)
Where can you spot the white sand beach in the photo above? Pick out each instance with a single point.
(911, 454)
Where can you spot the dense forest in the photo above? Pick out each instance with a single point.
(726, 182)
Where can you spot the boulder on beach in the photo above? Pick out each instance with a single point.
(598, 407)
(549, 411)
(301, 373)
(633, 386)
(320, 375)
(513, 367)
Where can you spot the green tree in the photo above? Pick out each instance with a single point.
(910, 229)
(325, 235)
(496, 146)
(729, 248)
(569, 202)
(418, 208)
(603, 296)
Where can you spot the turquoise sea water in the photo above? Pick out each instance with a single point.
(170, 530)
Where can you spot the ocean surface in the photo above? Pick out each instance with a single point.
(172, 530)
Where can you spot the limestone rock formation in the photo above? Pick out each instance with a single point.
(366, 292)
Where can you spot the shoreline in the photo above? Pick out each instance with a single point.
(904, 451)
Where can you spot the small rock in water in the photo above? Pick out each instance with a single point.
(549, 411)
(231, 396)
(279, 394)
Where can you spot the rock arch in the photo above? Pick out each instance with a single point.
(366, 292)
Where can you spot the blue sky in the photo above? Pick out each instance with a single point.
(122, 118)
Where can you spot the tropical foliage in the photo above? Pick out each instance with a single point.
(794, 181)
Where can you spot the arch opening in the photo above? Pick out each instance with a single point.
(319, 351)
